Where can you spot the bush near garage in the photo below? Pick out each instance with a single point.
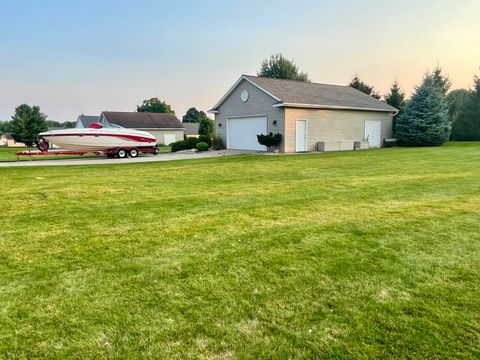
(205, 139)
(178, 146)
(270, 140)
(202, 146)
(189, 143)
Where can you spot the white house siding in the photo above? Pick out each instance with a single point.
(343, 126)
(258, 103)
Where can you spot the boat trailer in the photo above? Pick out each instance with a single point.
(110, 153)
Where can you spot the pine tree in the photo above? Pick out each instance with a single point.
(467, 124)
(425, 119)
(440, 80)
(396, 98)
(362, 86)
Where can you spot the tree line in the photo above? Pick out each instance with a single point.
(28, 121)
(431, 116)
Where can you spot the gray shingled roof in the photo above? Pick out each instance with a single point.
(191, 128)
(143, 120)
(291, 93)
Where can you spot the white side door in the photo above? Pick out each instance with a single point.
(301, 136)
(373, 133)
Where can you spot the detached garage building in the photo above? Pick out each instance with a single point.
(308, 115)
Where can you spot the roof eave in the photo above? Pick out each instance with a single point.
(331, 107)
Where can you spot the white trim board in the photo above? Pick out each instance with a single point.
(329, 107)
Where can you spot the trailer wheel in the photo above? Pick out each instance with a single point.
(133, 152)
(122, 153)
(42, 145)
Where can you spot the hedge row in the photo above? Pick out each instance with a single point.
(191, 143)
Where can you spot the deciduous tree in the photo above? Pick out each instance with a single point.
(155, 105)
(193, 116)
(27, 123)
(466, 126)
(206, 127)
(279, 67)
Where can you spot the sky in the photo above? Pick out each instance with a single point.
(85, 56)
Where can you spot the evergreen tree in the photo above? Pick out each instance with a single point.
(396, 98)
(358, 84)
(27, 123)
(279, 67)
(425, 119)
(440, 80)
(467, 123)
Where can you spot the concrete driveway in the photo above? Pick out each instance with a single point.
(141, 159)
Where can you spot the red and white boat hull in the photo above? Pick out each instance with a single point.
(98, 139)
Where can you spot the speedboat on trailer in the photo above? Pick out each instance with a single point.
(103, 137)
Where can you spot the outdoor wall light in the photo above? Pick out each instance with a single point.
(219, 124)
(274, 122)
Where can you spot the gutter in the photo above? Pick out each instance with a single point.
(332, 107)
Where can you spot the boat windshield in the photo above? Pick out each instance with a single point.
(111, 126)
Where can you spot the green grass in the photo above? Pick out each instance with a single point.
(372, 254)
(8, 154)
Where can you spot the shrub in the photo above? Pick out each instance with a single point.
(178, 146)
(191, 142)
(269, 140)
(218, 144)
(202, 146)
(206, 127)
(205, 139)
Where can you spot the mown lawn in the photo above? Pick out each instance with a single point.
(8, 154)
(371, 254)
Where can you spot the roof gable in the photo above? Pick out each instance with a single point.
(143, 120)
(291, 93)
(236, 85)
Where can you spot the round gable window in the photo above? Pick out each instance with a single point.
(244, 95)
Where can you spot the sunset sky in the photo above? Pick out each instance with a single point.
(85, 56)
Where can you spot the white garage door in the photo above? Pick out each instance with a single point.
(242, 133)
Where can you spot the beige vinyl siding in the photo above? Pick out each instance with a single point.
(160, 134)
(258, 103)
(344, 126)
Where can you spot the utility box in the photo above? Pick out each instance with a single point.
(360, 145)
